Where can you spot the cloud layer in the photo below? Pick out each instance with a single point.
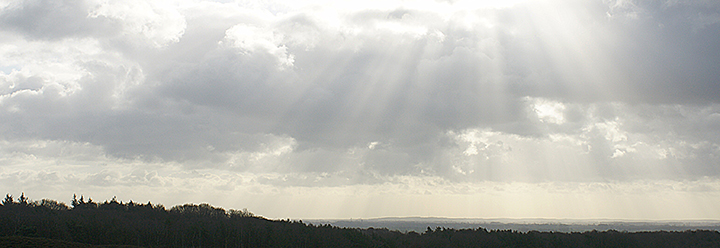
(270, 95)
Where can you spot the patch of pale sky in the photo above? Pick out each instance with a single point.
(397, 197)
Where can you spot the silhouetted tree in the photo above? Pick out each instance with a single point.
(22, 200)
(8, 200)
(75, 201)
(53, 205)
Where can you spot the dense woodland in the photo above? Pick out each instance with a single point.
(46, 222)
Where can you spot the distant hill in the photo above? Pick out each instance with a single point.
(419, 224)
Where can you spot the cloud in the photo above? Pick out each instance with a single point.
(53, 20)
(281, 95)
(161, 24)
(251, 39)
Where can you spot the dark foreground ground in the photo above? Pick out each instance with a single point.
(49, 223)
(17, 241)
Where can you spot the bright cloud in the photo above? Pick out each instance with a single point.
(161, 24)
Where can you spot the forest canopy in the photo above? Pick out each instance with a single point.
(114, 222)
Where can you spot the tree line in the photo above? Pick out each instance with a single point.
(114, 222)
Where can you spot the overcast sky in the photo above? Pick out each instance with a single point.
(359, 109)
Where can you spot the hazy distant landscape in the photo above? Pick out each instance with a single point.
(419, 224)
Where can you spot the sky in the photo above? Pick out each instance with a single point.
(564, 109)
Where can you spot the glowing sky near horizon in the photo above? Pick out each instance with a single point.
(358, 109)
